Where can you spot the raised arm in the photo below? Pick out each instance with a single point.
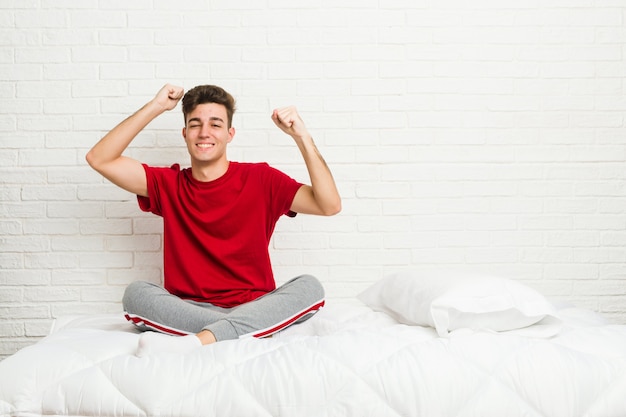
(106, 156)
(321, 197)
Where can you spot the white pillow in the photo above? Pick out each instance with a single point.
(449, 300)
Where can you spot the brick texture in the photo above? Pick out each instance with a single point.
(485, 135)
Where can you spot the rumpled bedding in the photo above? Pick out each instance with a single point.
(348, 360)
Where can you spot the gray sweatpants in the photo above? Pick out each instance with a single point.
(151, 307)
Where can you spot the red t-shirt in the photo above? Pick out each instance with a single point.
(216, 234)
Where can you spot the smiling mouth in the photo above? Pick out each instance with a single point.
(205, 145)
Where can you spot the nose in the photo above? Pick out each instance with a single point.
(204, 130)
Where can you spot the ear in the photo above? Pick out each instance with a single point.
(231, 134)
(185, 132)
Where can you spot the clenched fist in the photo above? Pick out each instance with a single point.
(289, 121)
(169, 95)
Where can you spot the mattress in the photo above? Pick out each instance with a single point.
(348, 360)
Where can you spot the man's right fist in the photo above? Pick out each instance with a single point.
(169, 95)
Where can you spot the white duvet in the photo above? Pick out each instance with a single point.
(346, 361)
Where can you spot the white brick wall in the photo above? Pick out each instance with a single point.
(486, 135)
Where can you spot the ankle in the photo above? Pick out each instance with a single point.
(206, 337)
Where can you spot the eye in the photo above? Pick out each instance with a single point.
(216, 125)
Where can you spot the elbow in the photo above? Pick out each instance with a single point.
(333, 209)
(92, 160)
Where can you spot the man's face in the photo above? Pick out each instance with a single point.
(207, 133)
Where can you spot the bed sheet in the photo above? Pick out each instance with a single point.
(346, 361)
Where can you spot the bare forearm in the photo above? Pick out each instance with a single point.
(113, 144)
(106, 156)
(323, 185)
(321, 197)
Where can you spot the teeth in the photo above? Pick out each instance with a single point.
(205, 145)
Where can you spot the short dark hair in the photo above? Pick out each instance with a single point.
(208, 94)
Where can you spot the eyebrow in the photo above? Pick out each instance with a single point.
(213, 119)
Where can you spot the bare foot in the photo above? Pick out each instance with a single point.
(153, 342)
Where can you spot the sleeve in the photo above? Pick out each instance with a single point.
(282, 190)
(156, 182)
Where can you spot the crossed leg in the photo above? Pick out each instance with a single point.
(151, 307)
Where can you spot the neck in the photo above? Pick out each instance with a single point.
(209, 172)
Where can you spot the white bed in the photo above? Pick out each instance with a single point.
(349, 360)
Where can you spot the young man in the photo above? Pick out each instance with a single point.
(218, 218)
